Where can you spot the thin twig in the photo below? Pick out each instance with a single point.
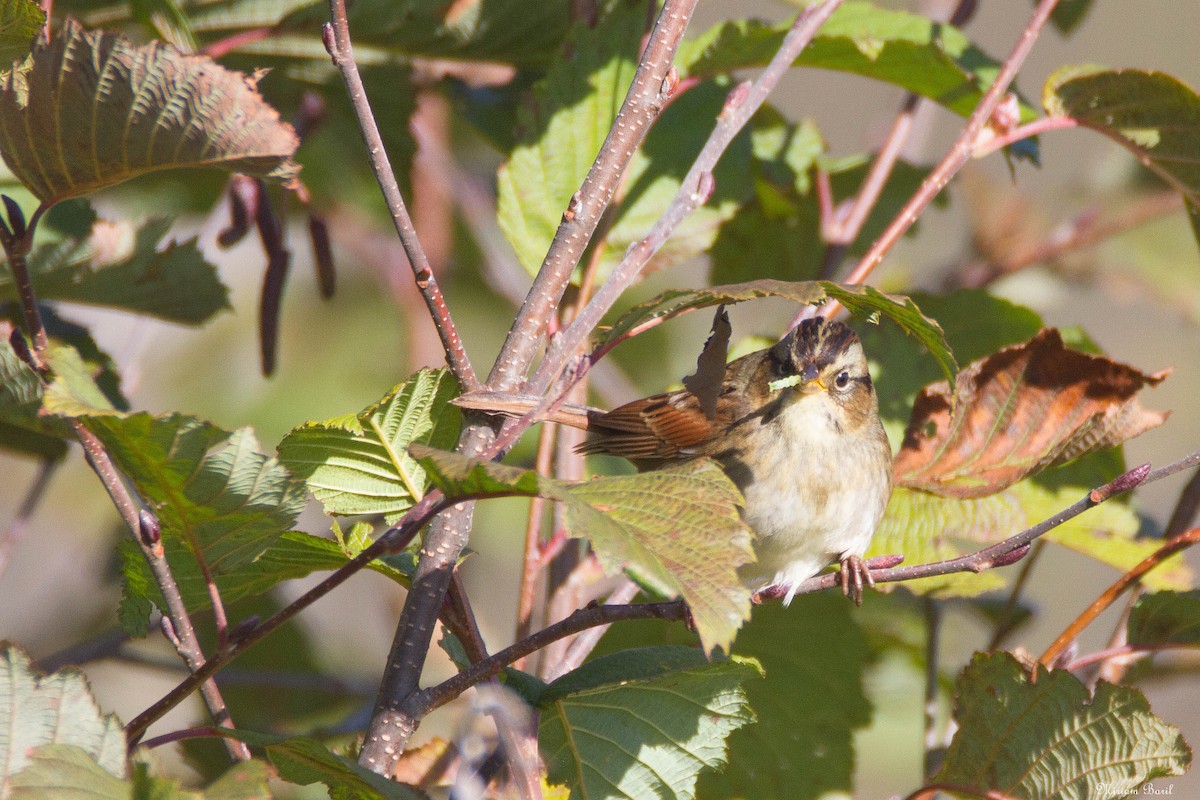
(1078, 234)
(337, 42)
(1026, 131)
(393, 540)
(587, 640)
(533, 562)
(1127, 651)
(651, 88)
(436, 696)
(695, 189)
(1122, 584)
(17, 249)
(960, 152)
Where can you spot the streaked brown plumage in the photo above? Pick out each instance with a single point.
(812, 460)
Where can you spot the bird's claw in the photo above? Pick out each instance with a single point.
(852, 574)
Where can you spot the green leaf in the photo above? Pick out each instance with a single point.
(1067, 15)
(21, 428)
(859, 300)
(809, 706)
(974, 323)
(572, 112)
(483, 30)
(642, 723)
(292, 556)
(675, 530)
(306, 761)
(67, 772)
(211, 488)
(1052, 738)
(108, 111)
(20, 23)
(359, 464)
(1153, 115)
(930, 58)
(38, 709)
(927, 528)
(122, 267)
(1165, 617)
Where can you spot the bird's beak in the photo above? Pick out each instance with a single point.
(810, 380)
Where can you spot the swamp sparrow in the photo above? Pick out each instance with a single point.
(796, 427)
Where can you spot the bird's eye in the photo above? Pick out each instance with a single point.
(842, 380)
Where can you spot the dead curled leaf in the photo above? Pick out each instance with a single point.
(1018, 411)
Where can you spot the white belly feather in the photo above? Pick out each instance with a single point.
(818, 497)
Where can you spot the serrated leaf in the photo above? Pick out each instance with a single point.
(933, 59)
(676, 530)
(1165, 617)
(21, 428)
(107, 110)
(927, 528)
(20, 23)
(211, 488)
(37, 710)
(642, 723)
(1153, 115)
(359, 464)
(808, 707)
(860, 300)
(1017, 412)
(1054, 739)
(122, 267)
(67, 772)
(484, 30)
(292, 556)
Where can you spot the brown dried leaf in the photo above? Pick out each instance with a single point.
(90, 109)
(1018, 411)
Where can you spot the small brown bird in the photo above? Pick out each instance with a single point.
(797, 428)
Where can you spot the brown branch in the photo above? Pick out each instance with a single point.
(651, 88)
(532, 563)
(336, 36)
(17, 240)
(960, 152)
(436, 696)
(1127, 651)
(694, 191)
(394, 539)
(1109, 595)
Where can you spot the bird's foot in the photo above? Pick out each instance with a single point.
(852, 574)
